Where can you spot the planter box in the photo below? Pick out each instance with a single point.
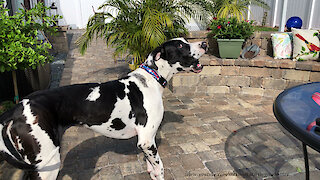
(28, 80)
(230, 48)
(59, 41)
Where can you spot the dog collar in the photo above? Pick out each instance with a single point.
(160, 79)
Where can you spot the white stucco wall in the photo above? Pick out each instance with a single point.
(300, 8)
(75, 12)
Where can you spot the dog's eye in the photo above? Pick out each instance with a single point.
(180, 46)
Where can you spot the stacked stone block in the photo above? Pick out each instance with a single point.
(263, 40)
(263, 76)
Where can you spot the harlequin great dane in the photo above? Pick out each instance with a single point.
(32, 130)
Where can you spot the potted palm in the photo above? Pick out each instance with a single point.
(235, 8)
(139, 26)
(230, 34)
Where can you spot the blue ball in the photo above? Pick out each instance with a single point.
(294, 22)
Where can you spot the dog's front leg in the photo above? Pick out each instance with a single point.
(154, 164)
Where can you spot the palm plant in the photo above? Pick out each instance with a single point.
(235, 8)
(139, 26)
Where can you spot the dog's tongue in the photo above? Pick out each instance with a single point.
(198, 68)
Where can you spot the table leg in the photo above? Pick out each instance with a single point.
(306, 160)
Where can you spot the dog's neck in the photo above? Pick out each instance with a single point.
(161, 66)
(165, 69)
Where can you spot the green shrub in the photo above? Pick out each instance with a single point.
(6, 105)
(20, 47)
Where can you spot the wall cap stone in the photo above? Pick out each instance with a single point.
(264, 61)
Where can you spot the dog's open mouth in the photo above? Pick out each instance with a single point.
(197, 68)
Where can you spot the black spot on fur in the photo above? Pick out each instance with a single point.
(71, 111)
(33, 175)
(30, 146)
(153, 149)
(121, 94)
(141, 79)
(131, 115)
(117, 124)
(136, 102)
(179, 69)
(157, 162)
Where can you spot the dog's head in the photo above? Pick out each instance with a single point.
(178, 54)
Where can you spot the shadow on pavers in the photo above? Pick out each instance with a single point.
(85, 156)
(9, 172)
(119, 71)
(267, 150)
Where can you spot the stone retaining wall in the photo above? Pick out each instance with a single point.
(263, 76)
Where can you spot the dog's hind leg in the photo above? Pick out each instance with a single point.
(146, 143)
(50, 170)
(37, 175)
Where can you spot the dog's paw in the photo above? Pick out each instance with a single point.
(156, 176)
(157, 173)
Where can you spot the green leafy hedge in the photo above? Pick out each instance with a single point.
(6, 105)
(20, 46)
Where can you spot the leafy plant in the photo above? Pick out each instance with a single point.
(235, 8)
(6, 105)
(140, 26)
(262, 28)
(20, 46)
(231, 28)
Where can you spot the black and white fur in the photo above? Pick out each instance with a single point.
(132, 106)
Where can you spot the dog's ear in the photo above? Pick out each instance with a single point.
(157, 56)
(158, 53)
(154, 56)
(153, 65)
(150, 62)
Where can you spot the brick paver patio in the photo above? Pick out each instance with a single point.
(201, 137)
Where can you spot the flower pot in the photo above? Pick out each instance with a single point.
(230, 48)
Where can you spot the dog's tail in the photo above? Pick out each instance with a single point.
(16, 163)
(9, 153)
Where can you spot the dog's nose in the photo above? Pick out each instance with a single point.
(204, 45)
